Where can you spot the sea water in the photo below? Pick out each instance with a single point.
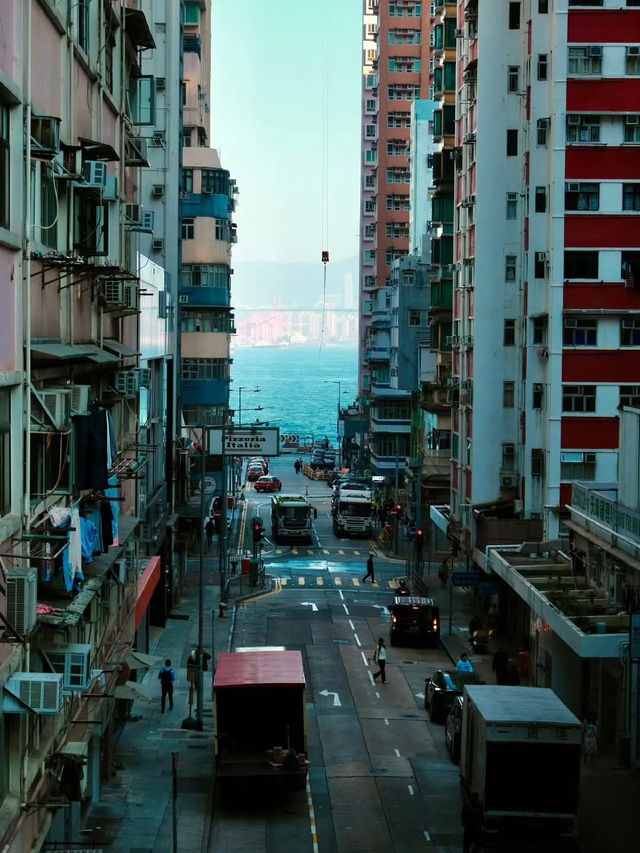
(298, 387)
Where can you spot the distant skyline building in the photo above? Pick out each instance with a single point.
(395, 73)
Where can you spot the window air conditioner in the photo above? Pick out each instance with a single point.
(634, 119)
(113, 293)
(508, 481)
(207, 190)
(57, 404)
(570, 323)
(33, 692)
(157, 191)
(71, 661)
(22, 598)
(574, 120)
(542, 257)
(183, 299)
(157, 244)
(133, 214)
(127, 383)
(572, 188)
(452, 340)
(111, 189)
(144, 377)
(184, 194)
(45, 132)
(94, 173)
(157, 140)
(595, 50)
(148, 219)
(161, 84)
(590, 458)
(80, 399)
(71, 164)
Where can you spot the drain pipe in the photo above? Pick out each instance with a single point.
(27, 270)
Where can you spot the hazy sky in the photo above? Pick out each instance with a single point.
(270, 64)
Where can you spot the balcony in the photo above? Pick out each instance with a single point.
(379, 353)
(380, 319)
(204, 297)
(435, 464)
(192, 44)
(436, 397)
(390, 425)
(594, 509)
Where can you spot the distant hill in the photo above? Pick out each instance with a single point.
(256, 285)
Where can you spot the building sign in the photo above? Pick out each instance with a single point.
(256, 441)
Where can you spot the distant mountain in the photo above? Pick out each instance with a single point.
(266, 285)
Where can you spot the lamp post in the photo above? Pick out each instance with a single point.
(240, 389)
(338, 383)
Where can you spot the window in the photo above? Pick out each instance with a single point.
(509, 337)
(580, 265)
(631, 196)
(542, 125)
(5, 451)
(543, 7)
(186, 137)
(512, 205)
(5, 172)
(142, 100)
(514, 16)
(537, 397)
(630, 395)
(513, 79)
(512, 143)
(369, 257)
(370, 131)
(416, 317)
(370, 156)
(369, 181)
(542, 66)
(508, 391)
(510, 268)
(540, 199)
(630, 269)
(632, 64)
(579, 398)
(191, 12)
(581, 196)
(577, 466)
(221, 229)
(186, 181)
(188, 229)
(585, 60)
(632, 128)
(83, 24)
(201, 320)
(508, 457)
(537, 462)
(205, 368)
(583, 128)
(48, 208)
(578, 332)
(370, 105)
(109, 45)
(540, 265)
(539, 330)
(629, 333)
(204, 275)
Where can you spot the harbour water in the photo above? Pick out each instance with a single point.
(298, 386)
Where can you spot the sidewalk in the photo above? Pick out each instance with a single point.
(135, 812)
(609, 794)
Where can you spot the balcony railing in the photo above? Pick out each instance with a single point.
(598, 507)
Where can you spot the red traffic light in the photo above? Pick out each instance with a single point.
(419, 532)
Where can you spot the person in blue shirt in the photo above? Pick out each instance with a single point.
(464, 664)
(167, 676)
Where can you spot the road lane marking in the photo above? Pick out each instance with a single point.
(410, 787)
(300, 581)
(427, 836)
(340, 552)
(366, 662)
(284, 581)
(373, 684)
(324, 551)
(355, 582)
(294, 550)
(312, 817)
(346, 609)
(386, 722)
(337, 581)
(341, 595)
(310, 551)
(356, 553)
(397, 752)
(357, 639)
(351, 625)
(319, 582)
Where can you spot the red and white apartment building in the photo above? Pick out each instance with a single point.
(546, 308)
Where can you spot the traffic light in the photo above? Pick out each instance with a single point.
(258, 531)
(419, 536)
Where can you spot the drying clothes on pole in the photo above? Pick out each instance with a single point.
(112, 492)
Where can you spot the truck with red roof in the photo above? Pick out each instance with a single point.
(259, 709)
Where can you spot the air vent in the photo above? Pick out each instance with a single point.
(33, 692)
(22, 598)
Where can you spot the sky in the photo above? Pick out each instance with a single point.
(287, 76)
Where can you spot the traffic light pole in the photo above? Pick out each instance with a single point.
(199, 672)
(222, 537)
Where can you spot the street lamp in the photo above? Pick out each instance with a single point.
(338, 383)
(240, 389)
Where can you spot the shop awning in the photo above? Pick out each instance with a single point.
(132, 691)
(102, 356)
(137, 28)
(61, 351)
(98, 150)
(119, 348)
(138, 660)
(147, 582)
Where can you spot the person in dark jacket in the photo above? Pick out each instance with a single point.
(369, 573)
(166, 677)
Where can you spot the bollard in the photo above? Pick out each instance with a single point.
(234, 567)
(222, 607)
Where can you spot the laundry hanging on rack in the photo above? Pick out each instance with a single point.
(112, 492)
(69, 517)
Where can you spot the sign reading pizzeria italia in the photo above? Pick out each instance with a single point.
(259, 441)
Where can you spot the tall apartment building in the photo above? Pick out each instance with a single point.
(546, 248)
(205, 319)
(395, 73)
(75, 584)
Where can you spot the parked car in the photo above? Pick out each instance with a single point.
(441, 690)
(260, 460)
(268, 483)
(255, 472)
(453, 728)
(415, 620)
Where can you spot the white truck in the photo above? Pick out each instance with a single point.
(352, 512)
(520, 753)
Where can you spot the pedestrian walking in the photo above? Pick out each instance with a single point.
(167, 676)
(443, 574)
(296, 465)
(209, 529)
(464, 664)
(472, 824)
(590, 739)
(380, 657)
(369, 573)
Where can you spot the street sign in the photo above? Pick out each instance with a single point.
(465, 578)
(248, 441)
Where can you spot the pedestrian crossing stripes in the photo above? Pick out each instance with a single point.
(335, 580)
(295, 551)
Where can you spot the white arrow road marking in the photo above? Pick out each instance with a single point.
(310, 604)
(379, 607)
(420, 695)
(336, 699)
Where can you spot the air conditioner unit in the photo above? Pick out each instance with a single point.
(57, 404)
(207, 190)
(22, 598)
(590, 458)
(133, 214)
(161, 84)
(157, 140)
(113, 293)
(37, 692)
(94, 173)
(144, 377)
(120, 570)
(157, 191)
(508, 481)
(111, 189)
(595, 51)
(45, 132)
(184, 194)
(148, 219)
(71, 164)
(572, 187)
(127, 383)
(518, 507)
(71, 661)
(574, 120)
(634, 119)
(542, 257)
(157, 244)
(183, 299)
(80, 395)
(393, 371)
(570, 323)
(452, 340)
(468, 340)
(543, 123)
